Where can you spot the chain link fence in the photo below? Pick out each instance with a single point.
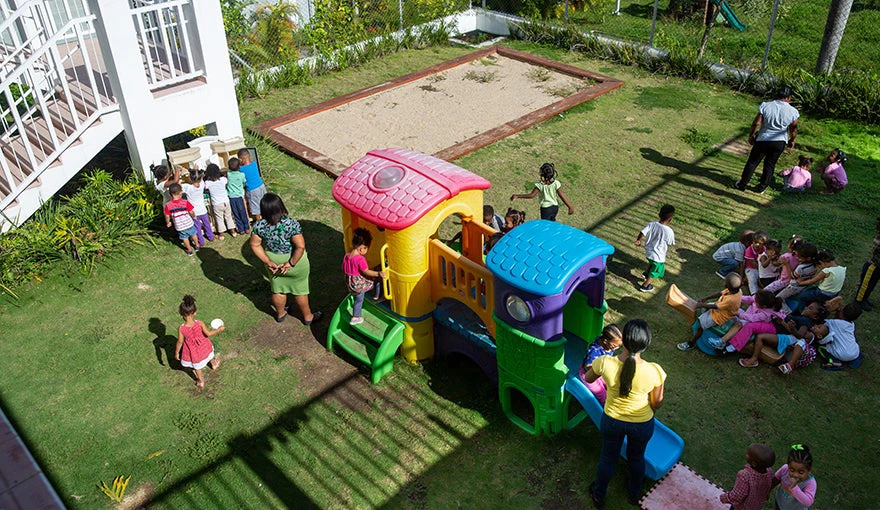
(740, 31)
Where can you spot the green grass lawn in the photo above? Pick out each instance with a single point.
(797, 35)
(85, 375)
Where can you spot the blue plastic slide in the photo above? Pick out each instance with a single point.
(665, 447)
(729, 15)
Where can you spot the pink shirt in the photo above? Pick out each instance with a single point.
(755, 314)
(837, 173)
(352, 265)
(797, 177)
(751, 257)
(792, 262)
(803, 493)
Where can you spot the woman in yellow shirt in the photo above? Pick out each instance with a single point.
(635, 391)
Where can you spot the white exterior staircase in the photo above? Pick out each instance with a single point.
(74, 74)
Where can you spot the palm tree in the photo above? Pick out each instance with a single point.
(834, 27)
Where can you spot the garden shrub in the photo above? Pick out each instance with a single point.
(103, 216)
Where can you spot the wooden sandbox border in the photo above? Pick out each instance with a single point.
(333, 168)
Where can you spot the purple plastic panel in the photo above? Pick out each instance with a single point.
(546, 311)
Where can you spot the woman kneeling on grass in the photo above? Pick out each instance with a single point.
(634, 392)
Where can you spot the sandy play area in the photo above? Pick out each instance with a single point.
(466, 103)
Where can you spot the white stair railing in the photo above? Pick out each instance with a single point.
(167, 39)
(52, 87)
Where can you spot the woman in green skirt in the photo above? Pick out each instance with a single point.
(277, 241)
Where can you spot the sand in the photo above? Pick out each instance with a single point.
(434, 112)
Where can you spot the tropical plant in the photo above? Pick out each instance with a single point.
(83, 228)
(117, 491)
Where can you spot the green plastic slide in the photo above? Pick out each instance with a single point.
(374, 342)
(729, 15)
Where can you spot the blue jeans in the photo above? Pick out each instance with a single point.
(358, 305)
(813, 294)
(637, 436)
(727, 266)
(239, 214)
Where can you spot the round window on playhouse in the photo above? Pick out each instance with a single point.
(388, 177)
(518, 309)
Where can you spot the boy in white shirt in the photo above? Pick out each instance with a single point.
(658, 237)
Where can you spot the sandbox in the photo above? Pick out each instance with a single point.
(448, 110)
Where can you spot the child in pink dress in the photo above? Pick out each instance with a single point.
(194, 349)
(834, 174)
(789, 263)
(798, 178)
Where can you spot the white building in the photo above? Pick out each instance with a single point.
(77, 73)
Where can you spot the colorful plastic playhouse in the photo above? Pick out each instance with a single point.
(525, 315)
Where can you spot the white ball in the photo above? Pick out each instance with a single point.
(216, 323)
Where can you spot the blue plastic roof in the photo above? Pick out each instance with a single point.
(540, 256)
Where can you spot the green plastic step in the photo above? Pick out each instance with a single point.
(374, 342)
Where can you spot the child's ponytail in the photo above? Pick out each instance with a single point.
(636, 338)
(187, 306)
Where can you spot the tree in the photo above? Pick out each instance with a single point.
(834, 27)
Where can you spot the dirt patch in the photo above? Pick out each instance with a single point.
(324, 375)
(137, 498)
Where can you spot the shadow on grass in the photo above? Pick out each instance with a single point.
(321, 452)
(164, 343)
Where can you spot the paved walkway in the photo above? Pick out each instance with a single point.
(22, 483)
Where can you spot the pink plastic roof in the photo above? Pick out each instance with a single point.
(422, 182)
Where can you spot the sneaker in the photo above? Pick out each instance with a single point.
(646, 288)
(716, 342)
(644, 274)
(760, 190)
(685, 346)
(729, 349)
(785, 368)
(190, 253)
(738, 185)
(356, 320)
(719, 275)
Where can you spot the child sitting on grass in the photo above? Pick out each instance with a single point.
(762, 307)
(719, 312)
(829, 278)
(730, 255)
(797, 486)
(358, 275)
(549, 193)
(798, 178)
(180, 212)
(658, 236)
(788, 262)
(605, 344)
(753, 482)
(750, 259)
(769, 265)
(834, 175)
(806, 255)
(837, 339)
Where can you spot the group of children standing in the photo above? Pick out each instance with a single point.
(184, 202)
